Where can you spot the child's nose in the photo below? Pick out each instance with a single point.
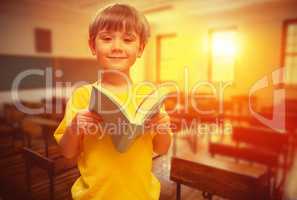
(117, 44)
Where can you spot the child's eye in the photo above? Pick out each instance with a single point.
(129, 39)
(106, 38)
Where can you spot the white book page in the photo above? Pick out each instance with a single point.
(150, 106)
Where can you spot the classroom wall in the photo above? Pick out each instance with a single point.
(259, 29)
(18, 21)
(70, 51)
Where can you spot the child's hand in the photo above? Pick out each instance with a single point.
(162, 138)
(85, 123)
(160, 123)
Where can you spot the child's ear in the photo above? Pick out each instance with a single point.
(92, 47)
(140, 50)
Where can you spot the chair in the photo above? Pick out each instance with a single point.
(46, 156)
(53, 167)
(10, 123)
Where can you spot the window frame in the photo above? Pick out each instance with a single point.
(284, 38)
(210, 62)
(158, 53)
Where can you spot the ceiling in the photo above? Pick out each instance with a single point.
(167, 10)
(151, 6)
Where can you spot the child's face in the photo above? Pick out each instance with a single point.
(116, 50)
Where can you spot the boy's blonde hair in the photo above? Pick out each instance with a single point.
(118, 17)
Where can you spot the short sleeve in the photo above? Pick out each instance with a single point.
(78, 101)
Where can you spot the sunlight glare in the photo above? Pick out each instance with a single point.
(224, 44)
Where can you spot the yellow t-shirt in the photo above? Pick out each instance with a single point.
(105, 173)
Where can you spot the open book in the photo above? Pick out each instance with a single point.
(122, 125)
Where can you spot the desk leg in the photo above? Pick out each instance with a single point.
(45, 139)
(28, 175)
(174, 146)
(46, 147)
(178, 192)
(51, 184)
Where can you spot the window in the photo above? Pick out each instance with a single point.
(289, 58)
(222, 56)
(167, 66)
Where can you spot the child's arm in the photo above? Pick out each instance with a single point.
(162, 137)
(70, 142)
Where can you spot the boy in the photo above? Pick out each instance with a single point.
(117, 36)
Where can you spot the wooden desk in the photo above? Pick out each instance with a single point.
(43, 121)
(39, 126)
(219, 177)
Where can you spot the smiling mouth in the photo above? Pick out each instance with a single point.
(117, 57)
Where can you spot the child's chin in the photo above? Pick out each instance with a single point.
(116, 67)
